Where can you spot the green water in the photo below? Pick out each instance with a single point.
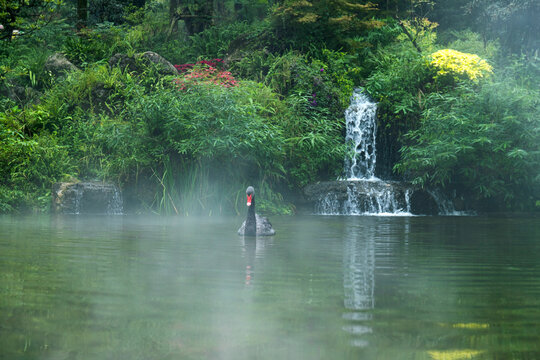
(322, 288)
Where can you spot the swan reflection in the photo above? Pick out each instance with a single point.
(253, 248)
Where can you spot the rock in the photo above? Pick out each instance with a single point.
(354, 197)
(423, 203)
(86, 198)
(19, 94)
(58, 65)
(164, 66)
(125, 62)
(138, 63)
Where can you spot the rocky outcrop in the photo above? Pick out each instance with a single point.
(58, 65)
(86, 198)
(138, 62)
(352, 197)
(17, 93)
(124, 62)
(164, 66)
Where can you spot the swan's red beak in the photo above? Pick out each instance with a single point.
(249, 197)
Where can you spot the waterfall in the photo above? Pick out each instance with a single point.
(115, 206)
(361, 124)
(367, 194)
(364, 197)
(362, 192)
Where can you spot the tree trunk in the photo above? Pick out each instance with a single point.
(198, 18)
(173, 7)
(173, 17)
(411, 38)
(82, 13)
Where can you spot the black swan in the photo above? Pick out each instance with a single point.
(254, 224)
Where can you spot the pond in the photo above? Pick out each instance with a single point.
(133, 287)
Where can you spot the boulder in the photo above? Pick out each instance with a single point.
(125, 62)
(138, 62)
(424, 203)
(354, 197)
(164, 66)
(58, 65)
(86, 198)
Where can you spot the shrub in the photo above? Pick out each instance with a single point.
(204, 72)
(458, 65)
(29, 165)
(482, 142)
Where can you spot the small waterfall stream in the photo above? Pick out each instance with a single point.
(366, 194)
(361, 122)
(361, 192)
(94, 198)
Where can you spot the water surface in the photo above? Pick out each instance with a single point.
(322, 288)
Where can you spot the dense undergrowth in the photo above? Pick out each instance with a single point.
(270, 115)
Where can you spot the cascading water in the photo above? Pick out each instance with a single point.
(115, 206)
(361, 123)
(361, 192)
(87, 198)
(366, 194)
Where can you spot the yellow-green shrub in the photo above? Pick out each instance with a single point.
(458, 65)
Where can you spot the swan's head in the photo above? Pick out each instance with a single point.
(250, 191)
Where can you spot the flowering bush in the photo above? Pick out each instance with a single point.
(458, 64)
(204, 72)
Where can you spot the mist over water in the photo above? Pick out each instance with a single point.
(323, 288)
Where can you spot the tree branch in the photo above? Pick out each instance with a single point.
(404, 28)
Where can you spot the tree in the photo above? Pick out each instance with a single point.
(332, 22)
(24, 15)
(514, 22)
(197, 15)
(82, 13)
(413, 19)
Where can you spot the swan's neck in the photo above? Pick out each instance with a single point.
(251, 222)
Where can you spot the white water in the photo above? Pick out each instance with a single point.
(115, 204)
(365, 193)
(361, 123)
(373, 197)
(381, 198)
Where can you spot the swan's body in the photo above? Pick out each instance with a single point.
(262, 227)
(255, 225)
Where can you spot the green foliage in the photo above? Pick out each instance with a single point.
(28, 164)
(211, 43)
(485, 143)
(194, 147)
(314, 144)
(343, 71)
(93, 45)
(330, 23)
(253, 65)
(399, 82)
(365, 45)
(293, 73)
(470, 42)
(186, 145)
(22, 16)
